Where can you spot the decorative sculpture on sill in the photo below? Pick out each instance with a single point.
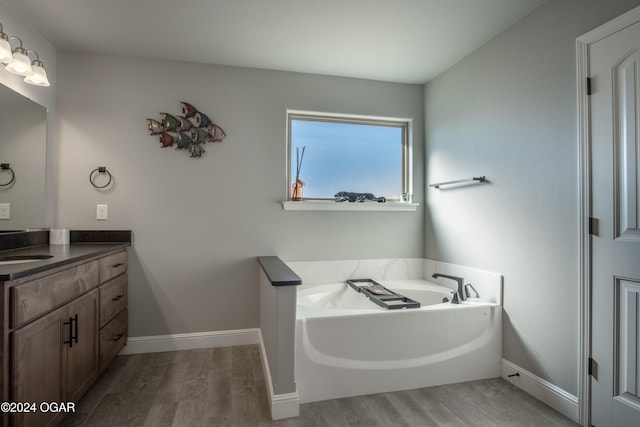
(189, 131)
(347, 196)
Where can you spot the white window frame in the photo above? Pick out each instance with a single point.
(330, 204)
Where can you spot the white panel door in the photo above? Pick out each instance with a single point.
(614, 65)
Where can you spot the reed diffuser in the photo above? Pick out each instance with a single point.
(296, 187)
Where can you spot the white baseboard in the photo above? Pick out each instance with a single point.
(282, 405)
(285, 406)
(173, 342)
(554, 396)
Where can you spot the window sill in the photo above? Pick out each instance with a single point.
(321, 205)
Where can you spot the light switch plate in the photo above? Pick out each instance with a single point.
(101, 212)
(5, 210)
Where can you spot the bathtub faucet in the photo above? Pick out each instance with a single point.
(458, 295)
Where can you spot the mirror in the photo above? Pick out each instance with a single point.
(23, 145)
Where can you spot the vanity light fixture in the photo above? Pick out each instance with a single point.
(18, 61)
(38, 76)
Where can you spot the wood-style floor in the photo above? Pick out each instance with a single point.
(225, 387)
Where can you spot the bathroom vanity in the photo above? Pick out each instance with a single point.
(64, 318)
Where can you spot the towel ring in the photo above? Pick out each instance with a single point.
(99, 169)
(5, 166)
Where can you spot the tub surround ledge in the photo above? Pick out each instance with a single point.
(278, 273)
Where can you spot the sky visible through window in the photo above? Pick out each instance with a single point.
(352, 157)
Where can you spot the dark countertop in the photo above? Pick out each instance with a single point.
(278, 272)
(62, 255)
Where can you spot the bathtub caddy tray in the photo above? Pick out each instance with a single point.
(382, 296)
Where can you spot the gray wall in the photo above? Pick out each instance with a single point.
(508, 111)
(198, 224)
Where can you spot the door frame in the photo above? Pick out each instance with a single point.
(583, 44)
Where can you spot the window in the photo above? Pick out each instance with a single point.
(358, 154)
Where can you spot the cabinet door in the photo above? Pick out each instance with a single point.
(82, 350)
(38, 358)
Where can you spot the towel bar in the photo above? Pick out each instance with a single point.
(459, 181)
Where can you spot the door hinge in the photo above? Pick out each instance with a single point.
(588, 86)
(593, 226)
(592, 368)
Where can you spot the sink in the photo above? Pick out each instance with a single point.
(20, 259)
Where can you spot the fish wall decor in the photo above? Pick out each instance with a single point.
(189, 131)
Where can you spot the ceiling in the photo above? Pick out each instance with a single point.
(407, 41)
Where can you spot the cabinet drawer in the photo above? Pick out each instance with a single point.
(35, 298)
(112, 266)
(113, 298)
(113, 336)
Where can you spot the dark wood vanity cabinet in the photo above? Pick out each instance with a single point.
(61, 330)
